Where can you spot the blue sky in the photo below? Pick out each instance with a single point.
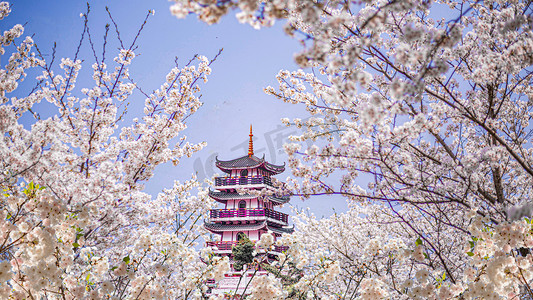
(233, 98)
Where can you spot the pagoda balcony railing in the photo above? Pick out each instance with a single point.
(221, 245)
(249, 213)
(243, 180)
(228, 245)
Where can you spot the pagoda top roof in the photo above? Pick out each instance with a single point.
(247, 162)
(224, 196)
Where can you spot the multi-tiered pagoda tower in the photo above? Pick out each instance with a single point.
(245, 214)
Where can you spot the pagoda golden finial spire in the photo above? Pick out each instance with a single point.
(251, 144)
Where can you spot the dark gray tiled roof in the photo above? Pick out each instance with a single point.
(241, 162)
(279, 199)
(248, 162)
(236, 196)
(217, 227)
(281, 230)
(229, 195)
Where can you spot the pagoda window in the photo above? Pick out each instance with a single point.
(244, 173)
(242, 204)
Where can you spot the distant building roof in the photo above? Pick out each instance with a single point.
(247, 162)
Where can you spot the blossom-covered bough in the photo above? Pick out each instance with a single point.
(74, 220)
(430, 103)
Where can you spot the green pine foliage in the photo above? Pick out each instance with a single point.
(243, 253)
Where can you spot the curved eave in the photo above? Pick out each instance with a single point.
(248, 162)
(228, 170)
(222, 197)
(243, 162)
(274, 168)
(279, 200)
(225, 196)
(219, 228)
(281, 230)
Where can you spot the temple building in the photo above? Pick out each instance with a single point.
(245, 214)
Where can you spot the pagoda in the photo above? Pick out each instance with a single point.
(245, 214)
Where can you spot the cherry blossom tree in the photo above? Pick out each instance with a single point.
(421, 117)
(74, 220)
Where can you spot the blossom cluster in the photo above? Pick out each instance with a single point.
(75, 222)
(420, 116)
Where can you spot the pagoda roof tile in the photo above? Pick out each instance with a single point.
(248, 161)
(281, 230)
(222, 196)
(219, 228)
(229, 195)
(279, 199)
